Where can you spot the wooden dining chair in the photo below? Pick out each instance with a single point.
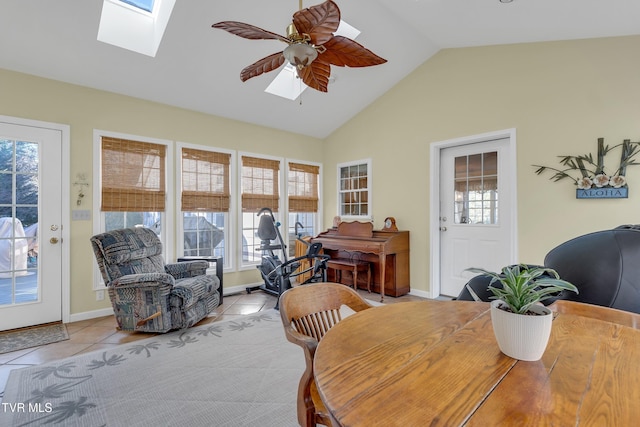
(608, 314)
(308, 312)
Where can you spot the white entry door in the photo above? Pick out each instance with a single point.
(475, 211)
(30, 225)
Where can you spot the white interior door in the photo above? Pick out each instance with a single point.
(475, 211)
(30, 225)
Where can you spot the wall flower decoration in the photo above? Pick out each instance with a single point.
(618, 181)
(589, 174)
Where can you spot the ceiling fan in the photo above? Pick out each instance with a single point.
(312, 46)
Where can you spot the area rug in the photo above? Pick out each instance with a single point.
(32, 337)
(234, 373)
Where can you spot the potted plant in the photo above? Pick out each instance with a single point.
(522, 325)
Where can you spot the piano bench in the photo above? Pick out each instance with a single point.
(354, 266)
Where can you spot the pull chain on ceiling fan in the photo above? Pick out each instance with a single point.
(312, 46)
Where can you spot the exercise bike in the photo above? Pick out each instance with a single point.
(277, 273)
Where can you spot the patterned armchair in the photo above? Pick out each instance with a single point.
(146, 294)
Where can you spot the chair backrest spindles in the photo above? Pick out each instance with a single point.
(311, 311)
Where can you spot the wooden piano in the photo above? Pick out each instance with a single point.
(387, 251)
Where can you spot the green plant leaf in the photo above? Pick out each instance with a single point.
(523, 285)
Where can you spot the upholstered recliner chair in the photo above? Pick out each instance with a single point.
(148, 295)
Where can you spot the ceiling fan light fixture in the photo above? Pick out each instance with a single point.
(313, 46)
(300, 54)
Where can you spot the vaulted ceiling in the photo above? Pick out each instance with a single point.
(197, 67)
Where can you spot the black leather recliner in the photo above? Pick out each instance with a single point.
(604, 266)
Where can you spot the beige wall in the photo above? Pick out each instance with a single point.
(559, 96)
(87, 109)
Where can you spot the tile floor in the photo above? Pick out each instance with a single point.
(100, 333)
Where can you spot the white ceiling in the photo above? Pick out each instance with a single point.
(198, 68)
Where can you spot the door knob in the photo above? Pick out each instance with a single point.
(53, 240)
(443, 228)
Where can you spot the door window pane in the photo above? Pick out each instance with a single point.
(476, 189)
(19, 163)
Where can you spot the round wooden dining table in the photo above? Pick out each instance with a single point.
(438, 363)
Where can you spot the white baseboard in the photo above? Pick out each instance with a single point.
(419, 293)
(240, 289)
(76, 317)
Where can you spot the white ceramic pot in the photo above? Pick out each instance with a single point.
(523, 337)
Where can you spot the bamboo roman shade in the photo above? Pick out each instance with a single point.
(205, 181)
(259, 184)
(303, 187)
(133, 176)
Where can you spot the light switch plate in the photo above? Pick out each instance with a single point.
(81, 215)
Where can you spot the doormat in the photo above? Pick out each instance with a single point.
(32, 337)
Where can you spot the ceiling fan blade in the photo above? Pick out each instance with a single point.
(249, 31)
(342, 51)
(319, 21)
(262, 66)
(316, 75)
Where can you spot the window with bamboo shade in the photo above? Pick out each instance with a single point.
(303, 187)
(259, 184)
(303, 195)
(205, 202)
(205, 181)
(133, 176)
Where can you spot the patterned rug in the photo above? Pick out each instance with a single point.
(234, 373)
(32, 337)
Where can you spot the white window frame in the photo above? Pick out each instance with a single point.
(318, 220)
(168, 222)
(368, 162)
(281, 204)
(231, 227)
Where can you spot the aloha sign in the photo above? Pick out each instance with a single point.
(602, 193)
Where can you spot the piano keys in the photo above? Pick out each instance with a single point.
(387, 251)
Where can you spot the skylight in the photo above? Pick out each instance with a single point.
(146, 5)
(136, 25)
(287, 84)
